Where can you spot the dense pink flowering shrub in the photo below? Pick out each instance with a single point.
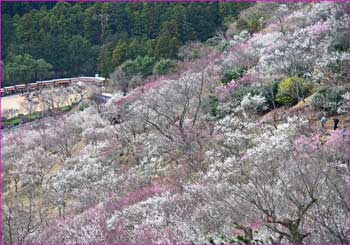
(135, 197)
(224, 90)
(335, 139)
(248, 79)
(319, 29)
(304, 143)
(243, 46)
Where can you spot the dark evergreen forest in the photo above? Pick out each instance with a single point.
(45, 40)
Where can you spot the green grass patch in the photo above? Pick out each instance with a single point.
(31, 117)
(66, 108)
(12, 122)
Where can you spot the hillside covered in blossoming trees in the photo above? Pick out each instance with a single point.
(226, 147)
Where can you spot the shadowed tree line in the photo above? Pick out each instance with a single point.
(85, 38)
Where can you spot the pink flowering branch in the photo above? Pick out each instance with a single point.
(136, 93)
(255, 225)
(248, 79)
(240, 48)
(223, 91)
(319, 29)
(309, 144)
(135, 197)
(334, 139)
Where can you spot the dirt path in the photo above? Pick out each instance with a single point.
(12, 102)
(16, 102)
(305, 109)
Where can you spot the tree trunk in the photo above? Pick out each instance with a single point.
(296, 236)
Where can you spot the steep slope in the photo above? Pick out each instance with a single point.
(185, 157)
